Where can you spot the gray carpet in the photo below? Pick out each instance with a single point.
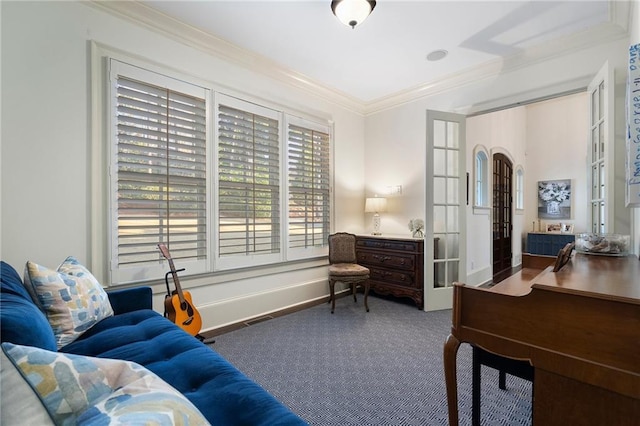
(357, 368)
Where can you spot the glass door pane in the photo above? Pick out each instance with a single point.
(444, 261)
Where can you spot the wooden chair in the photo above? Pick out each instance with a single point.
(504, 365)
(344, 267)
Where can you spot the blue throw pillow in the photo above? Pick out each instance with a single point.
(23, 323)
(11, 281)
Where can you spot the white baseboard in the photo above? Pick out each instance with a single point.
(479, 277)
(240, 309)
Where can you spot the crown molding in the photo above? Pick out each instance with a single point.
(138, 13)
(600, 34)
(158, 22)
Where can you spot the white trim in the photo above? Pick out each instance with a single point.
(228, 262)
(239, 309)
(484, 203)
(138, 13)
(151, 19)
(485, 211)
(606, 76)
(441, 297)
(100, 242)
(303, 252)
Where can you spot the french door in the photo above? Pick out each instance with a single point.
(601, 152)
(445, 224)
(502, 216)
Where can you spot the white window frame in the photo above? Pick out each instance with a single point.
(480, 180)
(126, 274)
(318, 249)
(251, 259)
(102, 243)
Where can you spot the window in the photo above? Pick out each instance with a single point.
(481, 177)
(308, 175)
(159, 174)
(519, 188)
(248, 183)
(251, 190)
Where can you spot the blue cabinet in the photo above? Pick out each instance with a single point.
(547, 244)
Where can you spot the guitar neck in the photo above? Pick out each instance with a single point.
(174, 274)
(176, 280)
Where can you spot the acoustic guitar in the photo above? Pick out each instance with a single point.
(178, 305)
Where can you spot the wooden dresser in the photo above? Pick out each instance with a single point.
(547, 244)
(396, 265)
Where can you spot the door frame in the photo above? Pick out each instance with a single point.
(506, 155)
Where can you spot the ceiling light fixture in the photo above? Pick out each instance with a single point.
(352, 12)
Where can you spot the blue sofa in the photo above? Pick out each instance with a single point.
(136, 333)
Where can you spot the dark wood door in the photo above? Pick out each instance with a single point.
(502, 218)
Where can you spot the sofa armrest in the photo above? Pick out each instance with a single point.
(130, 299)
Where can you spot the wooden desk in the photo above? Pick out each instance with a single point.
(578, 327)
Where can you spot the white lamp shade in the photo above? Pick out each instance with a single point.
(352, 12)
(375, 205)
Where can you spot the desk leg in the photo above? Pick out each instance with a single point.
(475, 388)
(450, 352)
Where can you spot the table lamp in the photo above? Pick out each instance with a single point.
(375, 206)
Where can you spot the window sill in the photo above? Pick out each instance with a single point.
(479, 210)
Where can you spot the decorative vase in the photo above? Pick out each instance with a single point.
(553, 207)
(418, 234)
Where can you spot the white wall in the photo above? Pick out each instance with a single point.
(557, 148)
(47, 177)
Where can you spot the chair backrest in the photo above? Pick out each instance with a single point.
(342, 248)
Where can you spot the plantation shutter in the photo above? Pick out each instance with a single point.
(160, 175)
(248, 183)
(309, 186)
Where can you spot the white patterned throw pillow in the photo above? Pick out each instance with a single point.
(82, 390)
(71, 298)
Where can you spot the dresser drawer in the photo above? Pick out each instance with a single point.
(406, 279)
(388, 260)
(378, 243)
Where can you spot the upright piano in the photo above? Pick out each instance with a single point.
(579, 328)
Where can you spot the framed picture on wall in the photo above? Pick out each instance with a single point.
(554, 199)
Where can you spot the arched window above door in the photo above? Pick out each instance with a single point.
(481, 177)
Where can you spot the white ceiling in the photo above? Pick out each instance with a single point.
(386, 54)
